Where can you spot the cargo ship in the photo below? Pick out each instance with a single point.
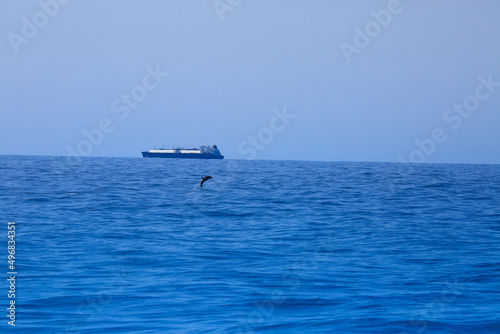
(203, 152)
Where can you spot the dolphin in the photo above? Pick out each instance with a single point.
(203, 179)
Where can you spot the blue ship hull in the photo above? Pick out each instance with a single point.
(147, 154)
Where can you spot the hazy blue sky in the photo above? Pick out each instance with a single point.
(234, 65)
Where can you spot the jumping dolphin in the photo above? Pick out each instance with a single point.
(203, 179)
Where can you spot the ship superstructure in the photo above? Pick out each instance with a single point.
(203, 152)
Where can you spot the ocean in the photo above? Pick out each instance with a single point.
(133, 245)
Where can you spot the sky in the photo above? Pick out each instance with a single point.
(386, 81)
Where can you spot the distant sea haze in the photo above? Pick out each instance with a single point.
(132, 245)
(454, 117)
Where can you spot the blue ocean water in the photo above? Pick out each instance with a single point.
(132, 245)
